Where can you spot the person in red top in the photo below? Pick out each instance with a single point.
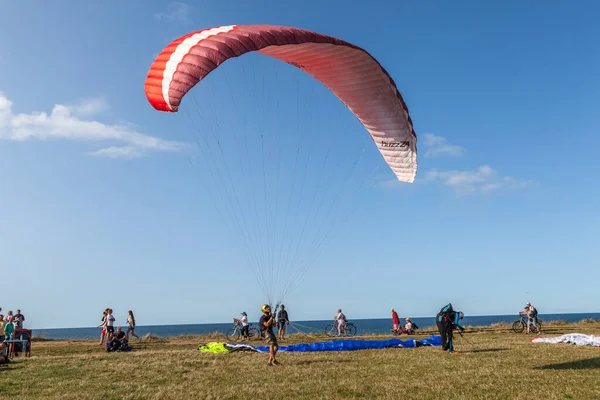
(395, 320)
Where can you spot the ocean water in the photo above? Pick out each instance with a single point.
(364, 326)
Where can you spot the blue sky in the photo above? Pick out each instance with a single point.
(99, 206)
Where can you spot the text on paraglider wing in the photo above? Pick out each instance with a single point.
(295, 64)
(395, 144)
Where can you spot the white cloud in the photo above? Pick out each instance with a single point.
(89, 107)
(483, 179)
(438, 146)
(176, 12)
(69, 123)
(126, 152)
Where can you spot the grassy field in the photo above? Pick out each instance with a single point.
(492, 364)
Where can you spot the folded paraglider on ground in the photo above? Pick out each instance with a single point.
(333, 345)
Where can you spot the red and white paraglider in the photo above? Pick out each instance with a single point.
(349, 72)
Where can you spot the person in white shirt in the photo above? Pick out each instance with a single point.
(245, 325)
(110, 321)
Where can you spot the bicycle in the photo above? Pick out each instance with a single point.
(349, 330)
(235, 333)
(521, 324)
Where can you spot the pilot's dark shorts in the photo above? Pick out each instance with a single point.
(270, 338)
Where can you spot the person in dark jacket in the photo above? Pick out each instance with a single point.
(447, 320)
(282, 321)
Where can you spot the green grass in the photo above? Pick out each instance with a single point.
(493, 364)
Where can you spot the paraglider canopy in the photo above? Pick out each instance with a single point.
(351, 73)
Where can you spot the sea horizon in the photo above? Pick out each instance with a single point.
(364, 326)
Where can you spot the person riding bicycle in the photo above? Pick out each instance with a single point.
(531, 313)
(266, 322)
(282, 321)
(341, 320)
(447, 320)
(245, 325)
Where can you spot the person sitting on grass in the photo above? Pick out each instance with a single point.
(3, 353)
(266, 323)
(117, 341)
(111, 342)
(410, 326)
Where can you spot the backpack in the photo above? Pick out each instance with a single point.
(533, 311)
(446, 314)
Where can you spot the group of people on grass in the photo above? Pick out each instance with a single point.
(398, 329)
(447, 320)
(116, 340)
(282, 321)
(9, 323)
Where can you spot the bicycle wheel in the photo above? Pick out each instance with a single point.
(233, 334)
(331, 330)
(254, 334)
(350, 330)
(518, 326)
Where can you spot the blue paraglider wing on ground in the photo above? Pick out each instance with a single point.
(350, 345)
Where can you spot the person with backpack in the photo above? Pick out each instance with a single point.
(532, 313)
(410, 326)
(447, 320)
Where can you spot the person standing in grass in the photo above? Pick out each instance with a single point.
(341, 320)
(395, 321)
(266, 322)
(131, 326)
(282, 321)
(110, 321)
(103, 325)
(19, 319)
(447, 320)
(531, 313)
(9, 328)
(2, 323)
(245, 325)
